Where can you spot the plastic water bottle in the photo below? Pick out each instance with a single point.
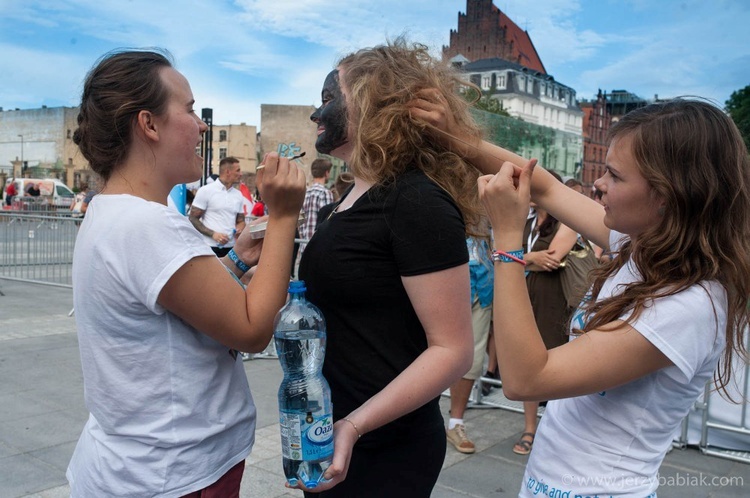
(305, 409)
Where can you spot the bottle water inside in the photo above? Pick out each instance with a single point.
(305, 409)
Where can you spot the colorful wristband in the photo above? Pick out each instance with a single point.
(509, 256)
(237, 261)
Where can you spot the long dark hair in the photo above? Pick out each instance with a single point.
(693, 156)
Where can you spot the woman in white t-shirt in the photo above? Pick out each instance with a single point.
(660, 317)
(160, 318)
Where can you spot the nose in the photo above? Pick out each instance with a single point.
(202, 126)
(315, 116)
(599, 187)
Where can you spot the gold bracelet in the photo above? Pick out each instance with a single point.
(355, 427)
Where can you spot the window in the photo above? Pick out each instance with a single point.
(222, 152)
(222, 136)
(501, 82)
(529, 85)
(485, 82)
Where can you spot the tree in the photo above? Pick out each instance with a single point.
(485, 102)
(738, 107)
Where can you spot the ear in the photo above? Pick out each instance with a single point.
(146, 125)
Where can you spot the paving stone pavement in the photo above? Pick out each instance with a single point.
(42, 414)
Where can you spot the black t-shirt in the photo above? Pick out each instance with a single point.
(353, 267)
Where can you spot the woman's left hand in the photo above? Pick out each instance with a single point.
(506, 198)
(344, 437)
(247, 248)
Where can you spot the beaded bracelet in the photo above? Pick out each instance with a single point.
(353, 425)
(237, 261)
(509, 256)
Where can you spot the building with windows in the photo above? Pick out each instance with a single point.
(38, 143)
(499, 58)
(238, 141)
(485, 32)
(539, 101)
(596, 121)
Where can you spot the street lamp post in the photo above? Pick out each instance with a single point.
(22, 163)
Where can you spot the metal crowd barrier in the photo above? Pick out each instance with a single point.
(37, 247)
(27, 204)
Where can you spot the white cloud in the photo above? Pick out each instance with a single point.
(238, 54)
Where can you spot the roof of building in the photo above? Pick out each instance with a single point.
(522, 43)
(496, 63)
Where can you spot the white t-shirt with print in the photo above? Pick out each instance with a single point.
(612, 443)
(170, 407)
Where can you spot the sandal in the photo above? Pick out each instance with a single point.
(524, 444)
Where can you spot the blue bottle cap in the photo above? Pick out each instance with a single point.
(297, 286)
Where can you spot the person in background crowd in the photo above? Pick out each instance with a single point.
(10, 191)
(481, 278)
(546, 243)
(159, 317)
(77, 206)
(664, 316)
(316, 197)
(247, 187)
(217, 212)
(575, 185)
(342, 184)
(389, 270)
(33, 190)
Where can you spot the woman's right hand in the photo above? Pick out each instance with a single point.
(545, 260)
(281, 185)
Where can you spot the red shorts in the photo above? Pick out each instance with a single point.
(226, 487)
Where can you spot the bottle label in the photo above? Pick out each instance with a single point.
(306, 438)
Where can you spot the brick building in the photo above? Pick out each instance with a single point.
(485, 32)
(596, 121)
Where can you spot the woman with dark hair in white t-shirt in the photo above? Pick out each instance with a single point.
(159, 318)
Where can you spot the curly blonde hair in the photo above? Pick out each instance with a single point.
(382, 81)
(693, 156)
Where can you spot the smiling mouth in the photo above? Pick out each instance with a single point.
(321, 130)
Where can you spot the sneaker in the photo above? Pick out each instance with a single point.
(457, 437)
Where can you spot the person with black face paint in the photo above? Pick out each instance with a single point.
(388, 267)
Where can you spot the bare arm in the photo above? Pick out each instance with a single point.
(195, 218)
(580, 213)
(442, 302)
(597, 361)
(239, 224)
(204, 295)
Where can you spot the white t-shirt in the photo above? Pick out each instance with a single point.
(170, 407)
(612, 443)
(221, 206)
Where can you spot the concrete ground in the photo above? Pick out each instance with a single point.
(42, 414)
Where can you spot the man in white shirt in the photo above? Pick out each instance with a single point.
(316, 197)
(217, 212)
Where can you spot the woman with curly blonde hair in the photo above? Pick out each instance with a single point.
(667, 313)
(389, 270)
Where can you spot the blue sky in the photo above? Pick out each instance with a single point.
(240, 54)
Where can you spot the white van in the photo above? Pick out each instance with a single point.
(52, 191)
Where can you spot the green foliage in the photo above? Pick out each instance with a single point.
(738, 107)
(515, 134)
(485, 102)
